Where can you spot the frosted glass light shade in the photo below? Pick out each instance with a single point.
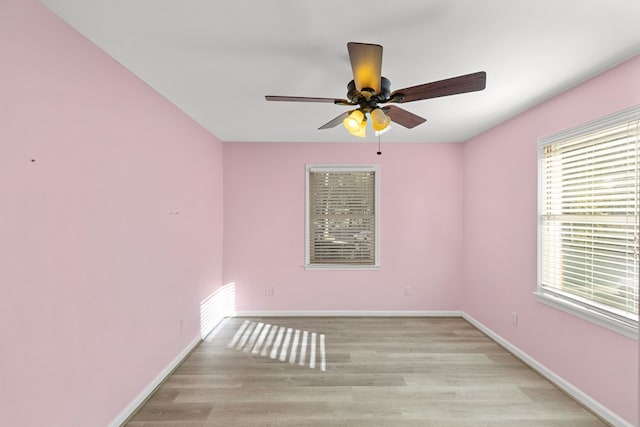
(362, 130)
(380, 121)
(353, 122)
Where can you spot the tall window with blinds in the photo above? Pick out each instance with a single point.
(589, 191)
(342, 213)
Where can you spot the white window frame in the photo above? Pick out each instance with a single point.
(602, 317)
(307, 241)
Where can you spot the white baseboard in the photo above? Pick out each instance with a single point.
(149, 389)
(560, 382)
(378, 313)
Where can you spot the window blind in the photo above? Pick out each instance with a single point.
(590, 188)
(341, 218)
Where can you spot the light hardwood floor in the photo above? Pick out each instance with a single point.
(397, 372)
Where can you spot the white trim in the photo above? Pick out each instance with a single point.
(333, 267)
(309, 167)
(351, 313)
(133, 406)
(557, 301)
(586, 400)
(583, 312)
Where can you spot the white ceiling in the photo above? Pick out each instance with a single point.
(216, 59)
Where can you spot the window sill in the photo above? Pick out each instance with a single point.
(340, 267)
(586, 314)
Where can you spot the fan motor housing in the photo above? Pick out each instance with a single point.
(370, 99)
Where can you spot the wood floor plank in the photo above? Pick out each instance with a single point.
(326, 380)
(321, 410)
(267, 395)
(202, 381)
(445, 395)
(356, 371)
(173, 412)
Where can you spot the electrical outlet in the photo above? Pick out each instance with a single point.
(269, 292)
(407, 291)
(181, 325)
(514, 318)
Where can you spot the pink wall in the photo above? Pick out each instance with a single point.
(500, 245)
(112, 235)
(420, 230)
(97, 267)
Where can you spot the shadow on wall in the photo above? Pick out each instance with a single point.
(217, 306)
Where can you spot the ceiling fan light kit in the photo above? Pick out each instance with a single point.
(369, 90)
(354, 121)
(380, 121)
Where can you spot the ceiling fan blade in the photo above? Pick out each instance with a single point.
(335, 122)
(366, 63)
(453, 86)
(403, 117)
(308, 99)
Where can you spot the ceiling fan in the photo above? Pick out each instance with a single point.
(369, 91)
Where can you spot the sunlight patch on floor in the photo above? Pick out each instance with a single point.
(281, 343)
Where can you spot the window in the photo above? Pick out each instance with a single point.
(342, 216)
(589, 187)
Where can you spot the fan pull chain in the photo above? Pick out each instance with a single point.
(379, 153)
